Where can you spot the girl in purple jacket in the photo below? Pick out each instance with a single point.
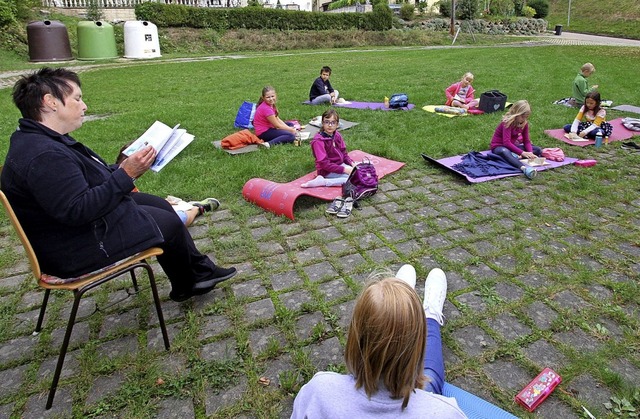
(333, 164)
(511, 138)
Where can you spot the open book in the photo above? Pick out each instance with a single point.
(167, 141)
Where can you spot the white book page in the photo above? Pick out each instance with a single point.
(156, 136)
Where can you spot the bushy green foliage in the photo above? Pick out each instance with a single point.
(529, 12)
(467, 9)
(94, 11)
(445, 8)
(7, 13)
(259, 18)
(407, 11)
(502, 8)
(541, 7)
(13, 11)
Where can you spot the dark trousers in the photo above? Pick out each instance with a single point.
(181, 261)
(505, 153)
(277, 136)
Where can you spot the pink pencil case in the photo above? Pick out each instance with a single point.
(585, 163)
(538, 389)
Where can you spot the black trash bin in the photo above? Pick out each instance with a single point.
(558, 30)
(48, 41)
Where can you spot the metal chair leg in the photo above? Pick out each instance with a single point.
(65, 345)
(43, 308)
(134, 280)
(156, 300)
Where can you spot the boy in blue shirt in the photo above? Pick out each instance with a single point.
(321, 89)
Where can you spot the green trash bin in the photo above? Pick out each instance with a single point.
(96, 41)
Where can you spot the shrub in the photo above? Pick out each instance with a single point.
(467, 9)
(529, 12)
(501, 8)
(406, 11)
(7, 13)
(445, 8)
(541, 7)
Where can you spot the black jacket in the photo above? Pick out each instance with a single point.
(75, 209)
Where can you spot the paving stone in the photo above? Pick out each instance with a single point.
(249, 289)
(260, 339)
(463, 217)
(18, 348)
(269, 248)
(508, 292)
(285, 280)
(214, 325)
(541, 314)
(344, 312)
(351, 262)
(6, 409)
(455, 282)
(11, 380)
(259, 310)
(339, 247)
(329, 234)
(219, 399)
(444, 223)
(554, 408)
(508, 375)
(25, 323)
(535, 280)
(86, 307)
(450, 311)
(258, 233)
(171, 310)
(295, 299)
(320, 271)
(174, 408)
(155, 340)
(70, 366)
(506, 263)
(245, 269)
(591, 393)
(509, 326)
(62, 404)
(483, 247)
(543, 354)
(625, 369)
(578, 340)
(79, 335)
(481, 272)
(334, 290)
(220, 350)
(172, 364)
(275, 261)
(568, 300)
(326, 353)
(437, 241)
(612, 329)
(103, 387)
(127, 345)
(473, 340)
(409, 247)
(277, 368)
(382, 255)
(307, 323)
(393, 235)
(118, 322)
(309, 255)
(458, 254)
(472, 301)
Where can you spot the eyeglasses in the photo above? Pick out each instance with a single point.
(330, 123)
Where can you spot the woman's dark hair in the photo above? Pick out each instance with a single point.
(30, 89)
(595, 96)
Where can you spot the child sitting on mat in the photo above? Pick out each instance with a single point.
(321, 90)
(460, 94)
(393, 355)
(333, 164)
(267, 123)
(511, 138)
(594, 116)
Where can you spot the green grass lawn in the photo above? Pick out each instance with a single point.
(204, 96)
(618, 18)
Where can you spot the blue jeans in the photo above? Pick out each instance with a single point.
(505, 153)
(433, 361)
(277, 136)
(323, 98)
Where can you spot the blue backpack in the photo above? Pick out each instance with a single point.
(398, 100)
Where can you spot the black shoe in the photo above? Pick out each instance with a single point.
(630, 145)
(219, 275)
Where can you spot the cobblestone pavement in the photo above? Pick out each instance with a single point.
(529, 287)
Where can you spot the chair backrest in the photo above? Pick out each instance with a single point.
(33, 260)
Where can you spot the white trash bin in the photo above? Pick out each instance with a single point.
(141, 40)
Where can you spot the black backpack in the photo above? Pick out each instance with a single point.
(398, 100)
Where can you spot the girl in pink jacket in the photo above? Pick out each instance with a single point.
(460, 94)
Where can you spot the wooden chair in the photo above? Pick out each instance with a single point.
(81, 285)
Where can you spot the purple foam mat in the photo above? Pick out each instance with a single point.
(376, 106)
(448, 162)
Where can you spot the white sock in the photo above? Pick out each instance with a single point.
(317, 182)
(335, 181)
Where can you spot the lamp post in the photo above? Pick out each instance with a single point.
(453, 17)
(569, 14)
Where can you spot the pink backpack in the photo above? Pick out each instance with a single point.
(554, 154)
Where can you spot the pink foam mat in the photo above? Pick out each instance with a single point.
(448, 162)
(620, 133)
(280, 198)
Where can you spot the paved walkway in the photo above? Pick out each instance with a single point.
(529, 287)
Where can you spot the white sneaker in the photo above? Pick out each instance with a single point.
(435, 292)
(264, 144)
(407, 273)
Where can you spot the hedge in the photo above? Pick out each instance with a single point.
(170, 15)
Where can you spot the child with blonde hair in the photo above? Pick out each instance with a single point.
(511, 138)
(393, 354)
(460, 94)
(267, 123)
(580, 86)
